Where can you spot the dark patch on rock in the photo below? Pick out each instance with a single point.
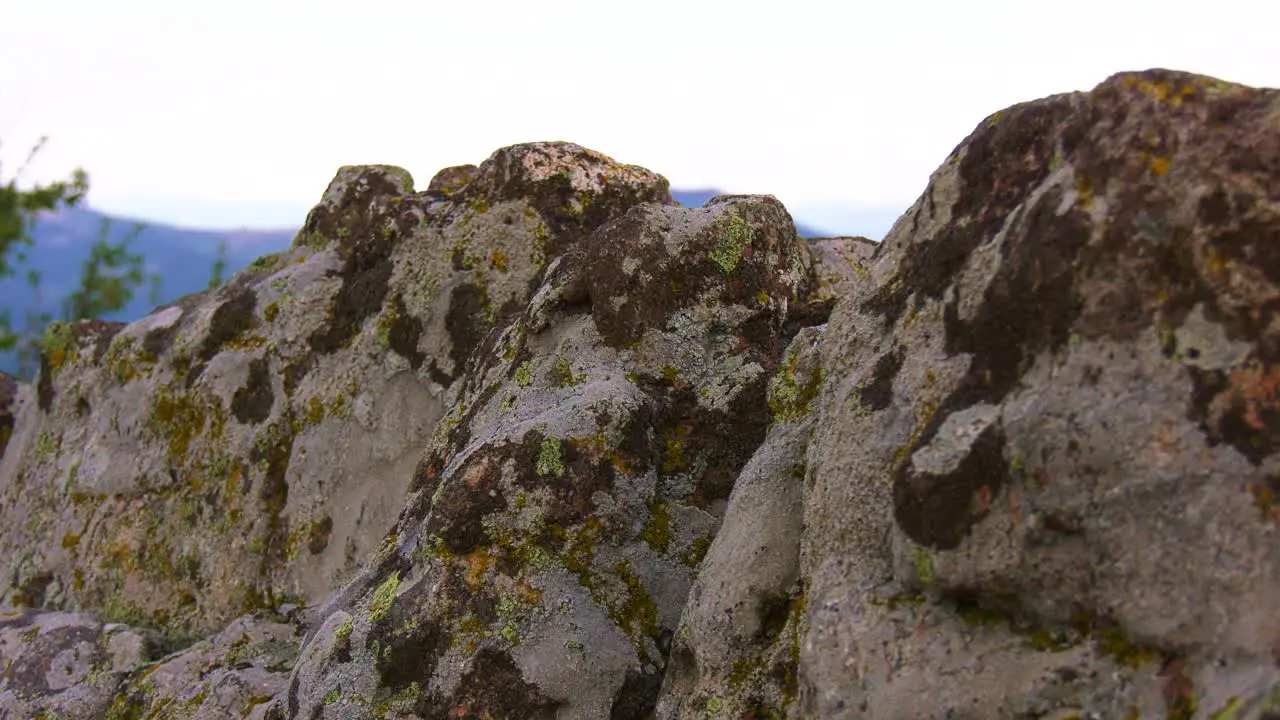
(878, 394)
(318, 536)
(293, 373)
(470, 494)
(774, 610)
(638, 696)
(493, 689)
(410, 645)
(1240, 408)
(8, 396)
(252, 403)
(233, 318)
(365, 279)
(44, 385)
(1028, 307)
(730, 257)
(404, 334)
(939, 510)
(28, 673)
(1004, 160)
(276, 452)
(465, 322)
(439, 376)
(452, 179)
(31, 592)
(98, 332)
(573, 488)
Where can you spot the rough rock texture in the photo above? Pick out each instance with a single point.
(63, 664)
(541, 565)
(252, 446)
(1043, 478)
(536, 443)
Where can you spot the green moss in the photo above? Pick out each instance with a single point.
(1047, 640)
(579, 551)
(637, 616)
(508, 403)
(1113, 643)
(657, 533)
(47, 445)
(271, 311)
(332, 696)
(1228, 711)
(714, 705)
(789, 400)
(58, 344)
(270, 262)
(386, 320)
(498, 260)
(384, 596)
(923, 564)
(696, 551)
(734, 237)
(127, 360)
(183, 417)
(524, 374)
(562, 373)
(550, 461)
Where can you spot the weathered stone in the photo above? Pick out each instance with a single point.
(734, 654)
(528, 445)
(251, 445)
(542, 563)
(1042, 475)
(63, 664)
(452, 179)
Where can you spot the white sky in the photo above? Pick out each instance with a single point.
(235, 113)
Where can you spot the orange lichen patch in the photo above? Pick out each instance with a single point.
(1259, 388)
(1215, 263)
(1265, 499)
(528, 594)
(478, 564)
(981, 502)
(620, 464)
(475, 475)
(1159, 165)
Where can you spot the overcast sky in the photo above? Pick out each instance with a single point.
(235, 113)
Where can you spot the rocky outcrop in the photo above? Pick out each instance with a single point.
(538, 443)
(252, 446)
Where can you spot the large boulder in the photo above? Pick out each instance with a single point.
(558, 517)
(252, 445)
(1044, 478)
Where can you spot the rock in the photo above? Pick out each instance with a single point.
(556, 522)
(1044, 466)
(239, 673)
(71, 666)
(452, 179)
(538, 443)
(735, 648)
(63, 664)
(250, 446)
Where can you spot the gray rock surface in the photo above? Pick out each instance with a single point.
(537, 443)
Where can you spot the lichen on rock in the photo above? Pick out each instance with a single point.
(537, 443)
